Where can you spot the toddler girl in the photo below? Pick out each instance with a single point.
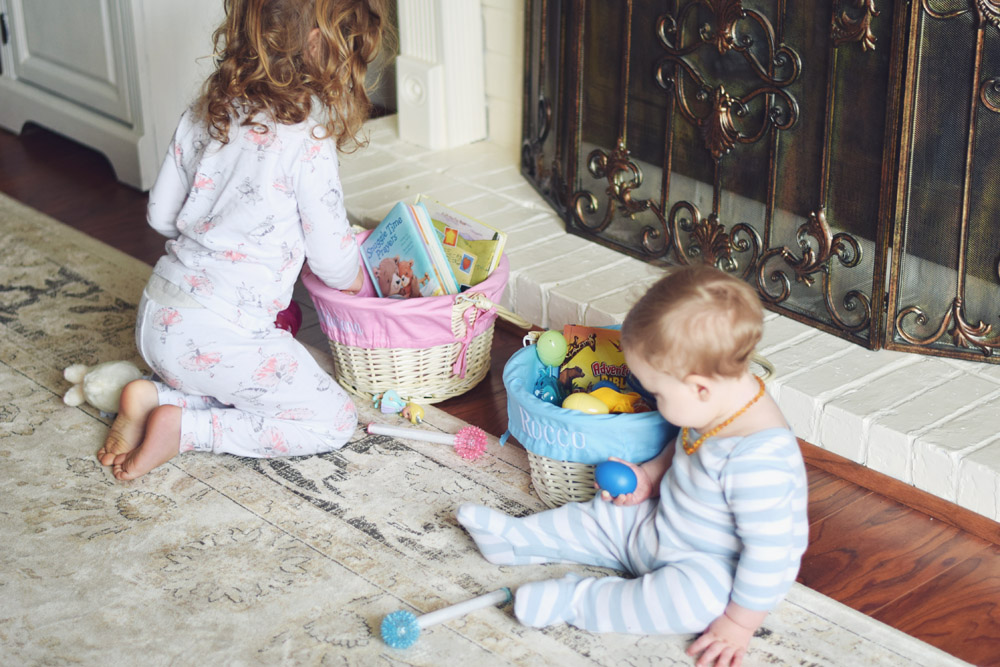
(250, 189)
(714, 532)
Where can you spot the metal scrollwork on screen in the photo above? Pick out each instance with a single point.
(725, 120)
(847, 28)
(817, 261)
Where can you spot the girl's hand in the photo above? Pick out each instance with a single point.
(643, 487)
(359, 282)
(723, 644)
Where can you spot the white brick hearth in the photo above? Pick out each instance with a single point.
(929, 422)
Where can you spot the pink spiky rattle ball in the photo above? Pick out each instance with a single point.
(469, 442)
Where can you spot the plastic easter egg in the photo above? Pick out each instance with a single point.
(551, 348)
(585, 403)
(547, 389)
(605, 383)
(615, 400)
(614, 477)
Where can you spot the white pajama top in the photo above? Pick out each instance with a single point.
(243, 216)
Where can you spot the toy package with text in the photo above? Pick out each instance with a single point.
(593, 355)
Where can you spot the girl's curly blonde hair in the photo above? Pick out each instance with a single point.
(270, 61)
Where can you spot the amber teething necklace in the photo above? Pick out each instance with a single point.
(693, 447)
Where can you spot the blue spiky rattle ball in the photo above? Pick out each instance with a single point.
(400, 629)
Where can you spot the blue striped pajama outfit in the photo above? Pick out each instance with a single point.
(730, 524)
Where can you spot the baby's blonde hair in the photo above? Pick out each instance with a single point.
(266, 64)
(696, 319)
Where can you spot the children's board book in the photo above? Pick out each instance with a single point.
(473, 247)
(404, 256)
(593, 354)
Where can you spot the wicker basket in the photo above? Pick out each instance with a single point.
(427, 350)
(423, 375)
(561, 477)
(560, 482)
(564, 446)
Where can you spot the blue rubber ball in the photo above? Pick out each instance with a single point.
(614, 477)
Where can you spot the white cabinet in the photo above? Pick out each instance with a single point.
(112, 74)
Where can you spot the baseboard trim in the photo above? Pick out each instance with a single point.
(914, 498)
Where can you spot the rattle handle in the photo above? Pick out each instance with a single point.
(498, 596)
(411, 433)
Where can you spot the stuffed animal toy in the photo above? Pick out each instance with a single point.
(99, 385)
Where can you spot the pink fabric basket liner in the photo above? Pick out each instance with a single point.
(368, 321)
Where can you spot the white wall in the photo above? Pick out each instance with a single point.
(503, 22)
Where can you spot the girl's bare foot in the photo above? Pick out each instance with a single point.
(161, 443)
(139, 398)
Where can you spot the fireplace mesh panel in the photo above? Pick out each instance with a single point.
(792, 144)
(944, 292)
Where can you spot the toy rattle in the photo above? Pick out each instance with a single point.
(614, 477)
(469, 442)
(547, 388)
(401, 628)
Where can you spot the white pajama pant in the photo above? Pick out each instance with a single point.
(669, 592)
(242, 392)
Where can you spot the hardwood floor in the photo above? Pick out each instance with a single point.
(908, 564)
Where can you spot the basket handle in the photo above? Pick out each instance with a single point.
(469, 306)
(479, 300)
(512, 317)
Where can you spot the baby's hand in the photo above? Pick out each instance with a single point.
(723, 644)
(643, 487)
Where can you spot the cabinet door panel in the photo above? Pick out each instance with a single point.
(75, 49)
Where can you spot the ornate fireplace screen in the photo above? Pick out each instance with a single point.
(839, 156)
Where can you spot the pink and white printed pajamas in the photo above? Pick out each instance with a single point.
(241, 217)
(258, 394)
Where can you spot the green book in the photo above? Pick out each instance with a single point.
(464, 255)
(473, 248)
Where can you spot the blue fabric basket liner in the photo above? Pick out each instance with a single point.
(570, 435)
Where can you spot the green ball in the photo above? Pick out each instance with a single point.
(551, 348)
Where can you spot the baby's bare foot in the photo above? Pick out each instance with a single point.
(161, 443)
(139, 398)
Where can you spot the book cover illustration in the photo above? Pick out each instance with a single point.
(473, 247)
(432, 242)
(593, 354)
(399, 261)
(464, 261)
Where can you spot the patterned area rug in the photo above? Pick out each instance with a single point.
(222, 560)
